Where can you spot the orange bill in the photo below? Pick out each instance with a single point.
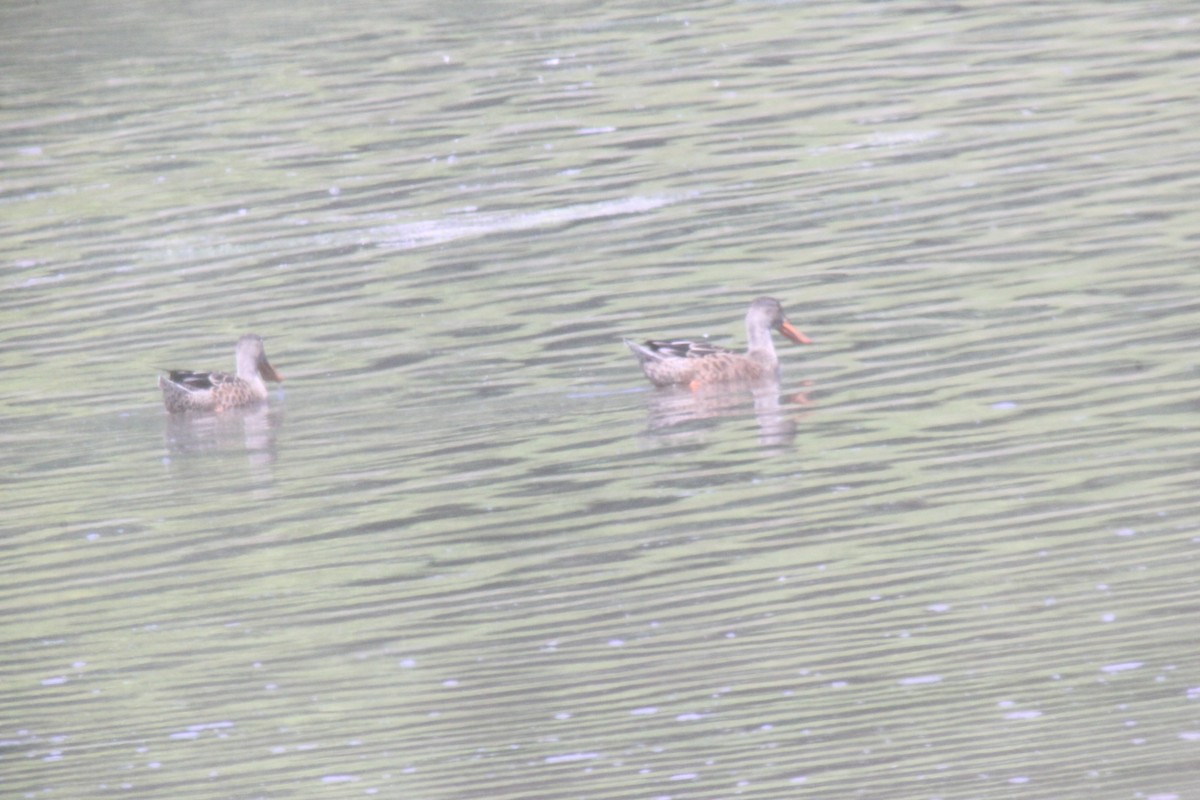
(269, 372)
(796, 336)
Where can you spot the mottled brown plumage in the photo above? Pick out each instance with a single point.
(688, 363)
(184, 390)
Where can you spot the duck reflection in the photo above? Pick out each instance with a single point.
(251, 430)
(775, 413)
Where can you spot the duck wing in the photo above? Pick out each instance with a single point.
(683, 348)
(199, 381)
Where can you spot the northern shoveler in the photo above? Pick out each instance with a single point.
(184, 390)
(694, 364)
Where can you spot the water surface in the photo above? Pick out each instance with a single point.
(467, 550)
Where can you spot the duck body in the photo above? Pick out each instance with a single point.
(184, 390)
(683, 362)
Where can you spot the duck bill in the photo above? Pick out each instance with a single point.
(268, 372)
(790, 332)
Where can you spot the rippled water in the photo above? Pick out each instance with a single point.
(468, 551)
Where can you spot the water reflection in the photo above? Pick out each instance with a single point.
(777, 414)
(252, 430)
(473, 224)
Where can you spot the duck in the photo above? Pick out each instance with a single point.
(682, 362)
(185, 390)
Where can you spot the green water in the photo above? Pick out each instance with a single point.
(468, 551)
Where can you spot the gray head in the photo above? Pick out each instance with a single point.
(766, 313)
(252, 359)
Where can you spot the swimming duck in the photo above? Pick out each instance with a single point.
(184, 390)
(693, 364)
